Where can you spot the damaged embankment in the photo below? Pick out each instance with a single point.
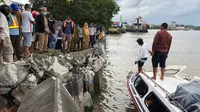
(53, 83)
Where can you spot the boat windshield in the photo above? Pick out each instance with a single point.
(171, 72)
(154, 104)
(141, 87)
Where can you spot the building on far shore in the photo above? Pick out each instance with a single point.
(173, 25)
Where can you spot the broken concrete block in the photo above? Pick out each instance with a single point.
(58, 70)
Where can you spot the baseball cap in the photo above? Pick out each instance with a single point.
(14, 7)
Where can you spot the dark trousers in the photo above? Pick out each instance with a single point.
(80, 43)
(16, 41)
(92, 40)
(59, 44)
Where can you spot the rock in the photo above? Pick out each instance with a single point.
(69, 58)
(96, 63)
(79, 58)
(68, 78)
(58, 70)
(8, 77)
(64, 62)
(88, 100)
(21, 73)
(29, 83)
(38, 71)
(87, 73)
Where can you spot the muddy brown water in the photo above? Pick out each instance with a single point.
(122, 51)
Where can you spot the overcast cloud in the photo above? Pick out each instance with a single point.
(158, 11)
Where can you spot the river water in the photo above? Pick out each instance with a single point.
(122, 52)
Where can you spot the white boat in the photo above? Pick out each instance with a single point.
(153, 95)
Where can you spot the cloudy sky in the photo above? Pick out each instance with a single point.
(158, 11)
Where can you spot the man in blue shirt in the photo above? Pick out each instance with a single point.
(14, 31)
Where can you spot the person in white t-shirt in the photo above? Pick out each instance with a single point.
(143, 54)
(27, 28)
(6, 49)
(92, 31)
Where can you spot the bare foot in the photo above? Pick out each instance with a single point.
(162, 78)
(154, 78)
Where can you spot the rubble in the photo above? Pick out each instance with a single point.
(8, 77)
(28, 76)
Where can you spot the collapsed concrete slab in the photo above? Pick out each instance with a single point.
(49, 96)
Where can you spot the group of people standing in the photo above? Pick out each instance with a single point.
(39, 31)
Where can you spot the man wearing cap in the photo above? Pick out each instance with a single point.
(14, 31)
(27, 28)
(42, 29)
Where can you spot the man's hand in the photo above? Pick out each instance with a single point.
(136, 62)
(152, 53)
(72, 35)
(0, 39)
(1, 29)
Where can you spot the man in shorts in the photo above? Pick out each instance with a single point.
(143, 54)
(6, 49)
(160, 50)
(27, 28)
(68, 33)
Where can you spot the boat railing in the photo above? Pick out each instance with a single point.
(168, 95)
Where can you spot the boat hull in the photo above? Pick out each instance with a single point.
(132, 94)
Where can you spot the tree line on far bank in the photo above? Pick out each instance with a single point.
(100, 12)
(186, 26)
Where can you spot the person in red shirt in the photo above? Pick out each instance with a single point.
(160, 50)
